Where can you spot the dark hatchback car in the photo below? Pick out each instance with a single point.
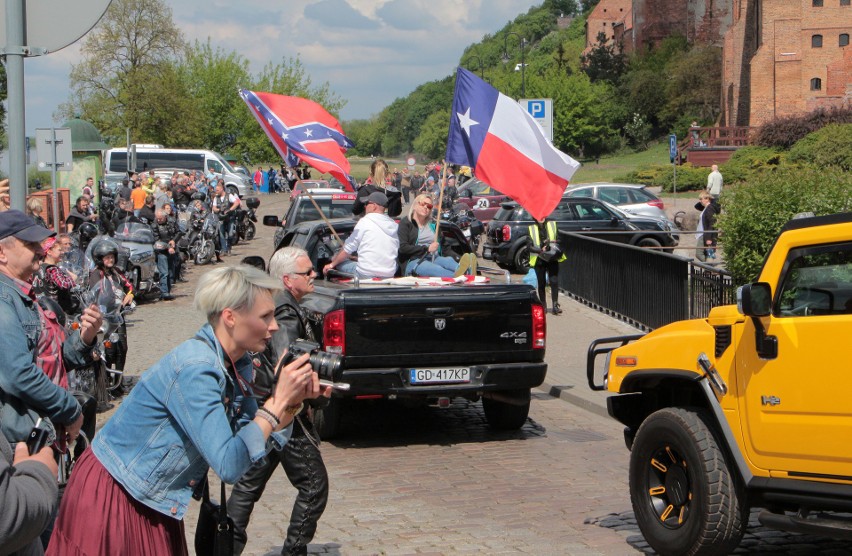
(507, 235)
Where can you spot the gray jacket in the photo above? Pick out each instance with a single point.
(28, 495)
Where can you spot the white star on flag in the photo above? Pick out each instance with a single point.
(466, 121)
(309, 132)
(284, 136)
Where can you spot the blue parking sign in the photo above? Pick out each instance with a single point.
(536, 108)
(672, 147)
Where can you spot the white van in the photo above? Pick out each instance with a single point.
(148, 158)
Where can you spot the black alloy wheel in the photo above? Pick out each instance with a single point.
(686, 500)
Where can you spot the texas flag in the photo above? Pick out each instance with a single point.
(505, 146)
(301, 129)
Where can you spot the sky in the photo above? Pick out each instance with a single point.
(369, 51)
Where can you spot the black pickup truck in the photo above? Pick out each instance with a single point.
(425, 343)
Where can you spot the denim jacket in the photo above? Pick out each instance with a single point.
(177, 421)
(23, 385)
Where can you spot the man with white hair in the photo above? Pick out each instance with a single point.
(300, 457)
(714, 183)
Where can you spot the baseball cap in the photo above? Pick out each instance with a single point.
(16, 223)
(378, 198)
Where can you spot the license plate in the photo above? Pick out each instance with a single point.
(440, 376)
(466, 232)
(486, 253)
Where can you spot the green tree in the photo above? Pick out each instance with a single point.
(692, 86)
(755, 211)
(605, 61)
(432, 141)
(126, 59)
(366, 135)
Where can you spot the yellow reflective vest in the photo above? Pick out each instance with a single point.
(552, 235)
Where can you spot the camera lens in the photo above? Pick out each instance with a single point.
(327, 365)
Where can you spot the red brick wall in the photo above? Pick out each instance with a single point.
(778, 76)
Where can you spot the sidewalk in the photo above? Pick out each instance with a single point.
(568, 339)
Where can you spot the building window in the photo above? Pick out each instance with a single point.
(844, 2)
(816, 41)
(844, 39)
(816, 84)
(817, 3)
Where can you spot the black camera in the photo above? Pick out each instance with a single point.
(328, 366)
(39, 437)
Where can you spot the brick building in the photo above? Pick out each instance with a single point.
(637, 24)
(785, 57)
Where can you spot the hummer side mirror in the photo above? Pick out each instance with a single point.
(754, 300)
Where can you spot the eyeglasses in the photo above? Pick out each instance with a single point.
(427, 205)
(306, 273)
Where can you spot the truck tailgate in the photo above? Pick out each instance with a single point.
(439, 326)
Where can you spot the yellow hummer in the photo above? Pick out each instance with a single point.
(746, 408)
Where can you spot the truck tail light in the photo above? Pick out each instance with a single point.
(334, 332)
(539, 326)
(507, 233)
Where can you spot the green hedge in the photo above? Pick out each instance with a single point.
(754, 211)
(830, 146)
(689, 177)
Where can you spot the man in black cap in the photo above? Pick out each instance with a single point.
(34, 347)
(374, 239)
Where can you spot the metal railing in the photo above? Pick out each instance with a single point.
(645, 288)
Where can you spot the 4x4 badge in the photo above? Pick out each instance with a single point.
(440, 324)
(770, 400)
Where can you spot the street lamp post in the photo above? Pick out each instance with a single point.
(523, 42)
(478, 61)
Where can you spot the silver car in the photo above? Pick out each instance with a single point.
(632, 199)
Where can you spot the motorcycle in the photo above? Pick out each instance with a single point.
(461, 215)
(141, 268)
(202, 245)
(98, 379)
(246, 219)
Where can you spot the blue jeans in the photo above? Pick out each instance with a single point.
(164, 267)
(225, 234)
(440, 266)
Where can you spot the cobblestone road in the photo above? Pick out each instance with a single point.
(430, 481)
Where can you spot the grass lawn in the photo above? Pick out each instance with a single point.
(612, 167)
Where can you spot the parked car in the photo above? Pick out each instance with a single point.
(482, 199)
(333, 205)
(507, 235)
(633, 199)
(316, 186)
(746, 408)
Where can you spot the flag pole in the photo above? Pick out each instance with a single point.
(324, 219)
(441, 199)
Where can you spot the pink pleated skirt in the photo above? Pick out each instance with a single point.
(98, 517)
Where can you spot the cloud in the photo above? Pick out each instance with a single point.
(370, 52)
(399, 14)
(338, 13)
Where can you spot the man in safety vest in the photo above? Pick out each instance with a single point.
(545, 256)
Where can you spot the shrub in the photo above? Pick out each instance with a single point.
(784, 132)
(754, 212)
(748, 162)
(689, 178)
(830, 146)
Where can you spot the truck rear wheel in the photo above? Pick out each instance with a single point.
(327, 419)
(506, 415)
(684, 496)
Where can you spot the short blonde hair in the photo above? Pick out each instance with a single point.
(34, 204)
(234, 287)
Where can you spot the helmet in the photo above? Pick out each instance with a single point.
(88, 231)
(198, 196)
(102, 249)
